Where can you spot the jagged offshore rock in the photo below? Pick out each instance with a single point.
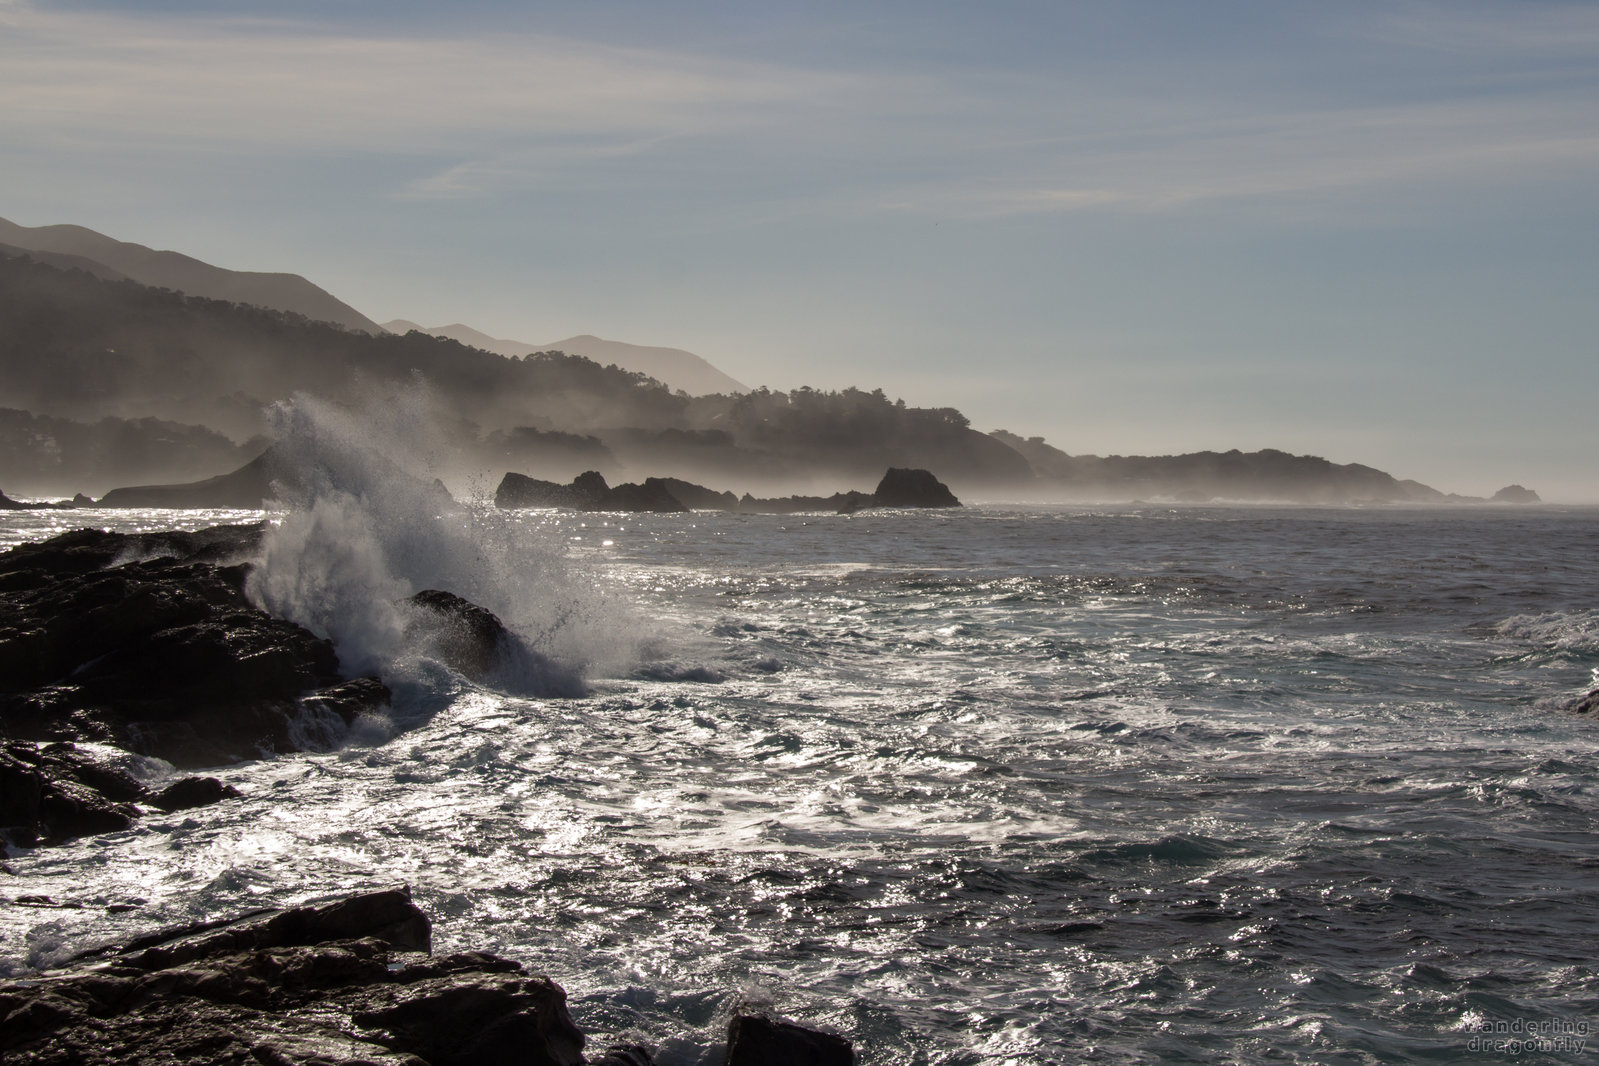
(899, 487)
(1515, 494)
(276, 475)
(587, 492)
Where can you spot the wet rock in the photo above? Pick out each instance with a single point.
(756, 1041)
(387, 915)
(350, 699)
(473, 641)
(464, 636)
(343, 983)
(54, 793)
(193, 792)
(510, 1020)
(1588, 704)
(148, 642)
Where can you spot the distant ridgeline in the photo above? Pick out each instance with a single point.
(108, 382)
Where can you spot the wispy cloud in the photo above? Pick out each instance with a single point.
(1571, 29)
(1307, 153)
(481, 115)
(275, 85)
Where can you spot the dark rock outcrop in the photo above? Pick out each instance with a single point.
(338, 984)
(193, 792)
(55, 792)
(1515, 494)
(467, 638)
(589, 492)
(653, 496)
(8, 504)
(1588, 704)
(756, 1041)
(148, 642)
(899, 487)
(518, 490)
(252, 486)
(912, 488)
(342, 983)
(698, 497)
(473, 641)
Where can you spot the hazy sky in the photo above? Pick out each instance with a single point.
(1368, 231)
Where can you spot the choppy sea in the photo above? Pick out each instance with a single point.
(999, 785)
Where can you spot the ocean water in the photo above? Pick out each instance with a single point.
(999, 785)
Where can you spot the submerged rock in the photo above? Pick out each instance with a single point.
(756, 1041)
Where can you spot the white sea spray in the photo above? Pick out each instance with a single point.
(366, 527)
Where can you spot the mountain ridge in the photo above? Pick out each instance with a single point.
(137, 368)
(174, 270)
(673, 367)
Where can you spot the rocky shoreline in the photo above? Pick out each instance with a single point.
(347, 983)
(148, 643)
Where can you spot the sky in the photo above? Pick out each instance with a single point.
(1366, 231)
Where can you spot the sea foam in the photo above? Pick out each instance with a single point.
(364, 527)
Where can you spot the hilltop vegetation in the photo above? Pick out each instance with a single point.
(83, 348)
(108, 382)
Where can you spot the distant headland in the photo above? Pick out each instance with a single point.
(130, 367)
